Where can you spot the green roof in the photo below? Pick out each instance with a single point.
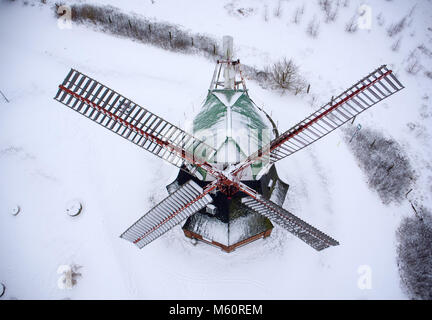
(230, 122)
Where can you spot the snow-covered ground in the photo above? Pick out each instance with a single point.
(50, 155)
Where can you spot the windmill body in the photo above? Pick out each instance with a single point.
(231, 123)
(227, 192)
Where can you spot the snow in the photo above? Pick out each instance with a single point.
(50, 155)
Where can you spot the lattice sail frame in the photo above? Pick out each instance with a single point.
(367, 92)
(301, 229)
(177, 207)
(131, 121)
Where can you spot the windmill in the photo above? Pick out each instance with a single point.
(221, 176)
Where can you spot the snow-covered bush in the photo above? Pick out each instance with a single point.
(284, 74)
(68, 274)
(384, 162)
(313, 28)
(278, 10)
(2, 289)
(396, 45)
(399, 26)
(330, 10)
(265, 13)
(414, 259)
(298, 13)
(164, 35)
(351, 26)
(235, 10)
(345, 3)
(380, 19)
(167, 36)
(425, 50)
(413, 66)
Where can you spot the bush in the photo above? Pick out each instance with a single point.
(351, 26)
(413, 66)
(313, 28)
(298, 13)
(399, 26)
(385, 164)
(414, 255)
(330, 10)
(164, 35)
(284, 74)
(278, 10)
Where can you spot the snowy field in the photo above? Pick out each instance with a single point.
(50, 155)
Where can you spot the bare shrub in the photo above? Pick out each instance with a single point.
(386, 165)
(313, 28)
(164, 35)
(278, 10)
(284, 74)
(330, 10)
(399, 26)
(413, 66)
(428, 74)
(265, 13)
(396, 45)
(325, 5)
(380, 19)
(351, 26)
(414, 255)
(298, 14)
(234, 10)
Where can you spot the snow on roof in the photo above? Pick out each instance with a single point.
(236, 230)
(230, 122)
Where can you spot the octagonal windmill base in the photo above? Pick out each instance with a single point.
(228, 224)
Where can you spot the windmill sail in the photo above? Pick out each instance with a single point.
(182, 203)
(129, 120)
(304, 231)
(370, 90)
